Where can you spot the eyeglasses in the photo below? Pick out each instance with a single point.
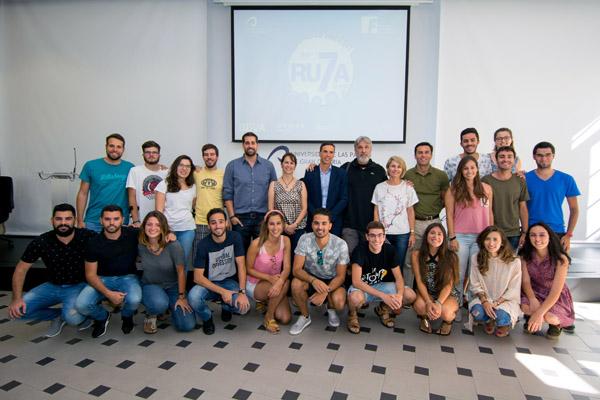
(375, 235)
(152, 153)
(503, 138)
(320, 258)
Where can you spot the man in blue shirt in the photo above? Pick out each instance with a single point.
(245, 188)
(548, 188)
(103, 183)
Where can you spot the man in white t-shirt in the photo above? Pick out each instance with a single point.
(142, 181)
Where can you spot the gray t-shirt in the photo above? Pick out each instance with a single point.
(507, 196)
(161, 269)
(322, 266)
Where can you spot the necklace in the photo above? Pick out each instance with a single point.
(156, 251)
(287, 184)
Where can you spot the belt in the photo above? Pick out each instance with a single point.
(427, 218)
(251, 215)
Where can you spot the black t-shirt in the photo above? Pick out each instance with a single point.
(114, 257)
(376, 268)
(361, 183)
(65, 262)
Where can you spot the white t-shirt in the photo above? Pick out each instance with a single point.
(392, 202)
(144, 181)
(178, 207)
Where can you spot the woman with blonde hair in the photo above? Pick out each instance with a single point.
(268, 267)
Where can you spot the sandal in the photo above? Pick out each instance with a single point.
(425, 325)
(150, 324)
(260, 307)
(490, 327)
(446, 328)
(353, 325)
(502, 331)
(271, 326)
(385, 316)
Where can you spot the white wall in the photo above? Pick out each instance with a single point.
(532, 66)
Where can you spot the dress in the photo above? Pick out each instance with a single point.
(432, 267)
(541, 274)
(289, 202)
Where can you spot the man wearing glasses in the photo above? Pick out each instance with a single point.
(320, 263)
(142, 181)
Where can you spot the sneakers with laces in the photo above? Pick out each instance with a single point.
(100, 327)
(300, 325)
(56, 327)
(86, 324)
(332, 318)
(127, 325)
(150, 324)
(208, 326)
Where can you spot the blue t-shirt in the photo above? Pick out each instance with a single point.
(107, 186)
(218, 259)
(546, 198)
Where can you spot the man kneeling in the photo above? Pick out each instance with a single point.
(376, 274)
(320, 263)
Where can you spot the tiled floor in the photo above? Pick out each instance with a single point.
(242, 361)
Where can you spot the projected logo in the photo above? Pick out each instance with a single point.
(322, 69)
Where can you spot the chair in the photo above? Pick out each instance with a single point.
(7, 204)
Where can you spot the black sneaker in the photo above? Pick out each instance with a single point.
(526, 324)
(127, 325)
(100, 327)
(553, 332)
(225, 315)
(569, 329)
(208, 326)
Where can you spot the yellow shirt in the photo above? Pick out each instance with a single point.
(209, 192)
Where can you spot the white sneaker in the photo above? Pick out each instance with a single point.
(55, 328)
(458, 317)
(333, 318)
(300, 324)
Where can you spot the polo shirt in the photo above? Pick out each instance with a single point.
(429, 188)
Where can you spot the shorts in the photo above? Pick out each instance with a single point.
(250, 286)
(385, 287)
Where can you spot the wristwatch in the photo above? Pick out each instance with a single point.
(242, 291)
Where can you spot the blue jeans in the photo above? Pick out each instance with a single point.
(251, 228)
(400, 243)
(88, 302)
(479, 315)
(385, 287)
(514, 242)
(157, 299)
(186, 240)
(199, 295)
(467, 247)
(39, 300)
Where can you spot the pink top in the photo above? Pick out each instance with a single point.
(472, 219)
(266, 263)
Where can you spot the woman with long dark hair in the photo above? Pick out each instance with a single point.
(268, 267)
(176, 197)
(495, 283)
(435, 268)
(469, 211)
(545, 297)
(163, 278)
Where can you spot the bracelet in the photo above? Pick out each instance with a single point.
(136, 222)
(233, 216)
(452, 238)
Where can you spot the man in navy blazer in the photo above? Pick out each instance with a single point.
(327, 187)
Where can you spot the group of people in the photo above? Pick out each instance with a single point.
(341, 236)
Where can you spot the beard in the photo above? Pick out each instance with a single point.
(210, 163)
(112, 228)
(113, 156)
(250, 152)
(63, 233)
(151, 162)
(363, 160)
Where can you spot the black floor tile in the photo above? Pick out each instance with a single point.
(421, 370)
(387, 396)
(209, 366)
(399, 330)
(365, 329)
(338, 396)
(561, 350)
(508, 372)
(10, 385)
(34, 322)
(220, 344)
(146, 343)
(45, 361)
(251, 367)
(183, 344)
(84, 363)
(485, 350)
(125, 364)
(333, 346)
(467, 332)
(295, 345)
(293, 367)
(258, 345)
(230, 327)
(163, 326)
(532, 397)
(376, 369)
(433, 396)
(39, 339)
(588, 371)
(5, 338)
(447, 349)
(7, 358)
(73, 341)
(331, 328)
(167, 365)
(146, 392)
(193, 394)
(523, 350)
(408, 347)
(371, 347)
(99, 391)
(484, 397)
(241, 394)
(464, 371)
(54, 388)
(290, 395)
(336, 368)
(579, 397)
(109, 342)
(3, 320)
